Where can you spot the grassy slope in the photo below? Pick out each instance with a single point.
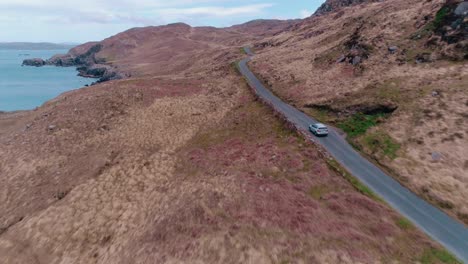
(301, 68)
(286, 192)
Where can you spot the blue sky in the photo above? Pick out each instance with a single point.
(66, 21)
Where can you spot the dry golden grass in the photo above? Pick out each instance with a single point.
(101, 213)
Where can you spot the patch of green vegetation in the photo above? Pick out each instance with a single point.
(359, 186)
(379, 140)
(359, 123)
(439, 18)
(436, 24)
(318, 191)
(242, 51)
(235, 66)
(404, 223)
(438, 255)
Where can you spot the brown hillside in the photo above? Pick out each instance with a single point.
(396, 66)
(178, 163)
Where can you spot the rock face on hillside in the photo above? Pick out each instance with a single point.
(36, 62)
(88, 65)
(334, 5)
(450, 26)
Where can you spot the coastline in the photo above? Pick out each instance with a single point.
(85, 62)
(26, 88)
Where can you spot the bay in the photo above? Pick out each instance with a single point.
(23, 88)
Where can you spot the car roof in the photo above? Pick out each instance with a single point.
(320, 125)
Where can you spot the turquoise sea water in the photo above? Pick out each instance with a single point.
(23, 88)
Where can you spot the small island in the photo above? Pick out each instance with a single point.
(36, 62)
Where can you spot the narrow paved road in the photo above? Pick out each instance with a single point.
(438, 225)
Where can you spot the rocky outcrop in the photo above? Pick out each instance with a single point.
(36, 62)
(86, 59)
(334, 5)
(62, 60)
(451, 22)
(446, 32)
(87, 63)
(357, 49)
(103, 72)
(451, 26)
(89, 57)
(95, 71)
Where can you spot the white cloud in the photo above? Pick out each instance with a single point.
(305, 13)
(215, 11)
(141, 12)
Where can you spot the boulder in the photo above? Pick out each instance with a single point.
(423, 58)
(392, 49)
(36, 62)
(436, 156)
(356, 60)
(341, 59)
(462, 9)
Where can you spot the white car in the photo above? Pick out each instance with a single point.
(319, 129)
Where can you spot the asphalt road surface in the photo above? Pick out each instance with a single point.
(442, 228)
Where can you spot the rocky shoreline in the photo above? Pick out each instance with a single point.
(87, 64)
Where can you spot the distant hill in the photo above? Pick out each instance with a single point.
(265, 27)
(34, 46)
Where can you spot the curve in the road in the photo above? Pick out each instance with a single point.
(434, 222)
